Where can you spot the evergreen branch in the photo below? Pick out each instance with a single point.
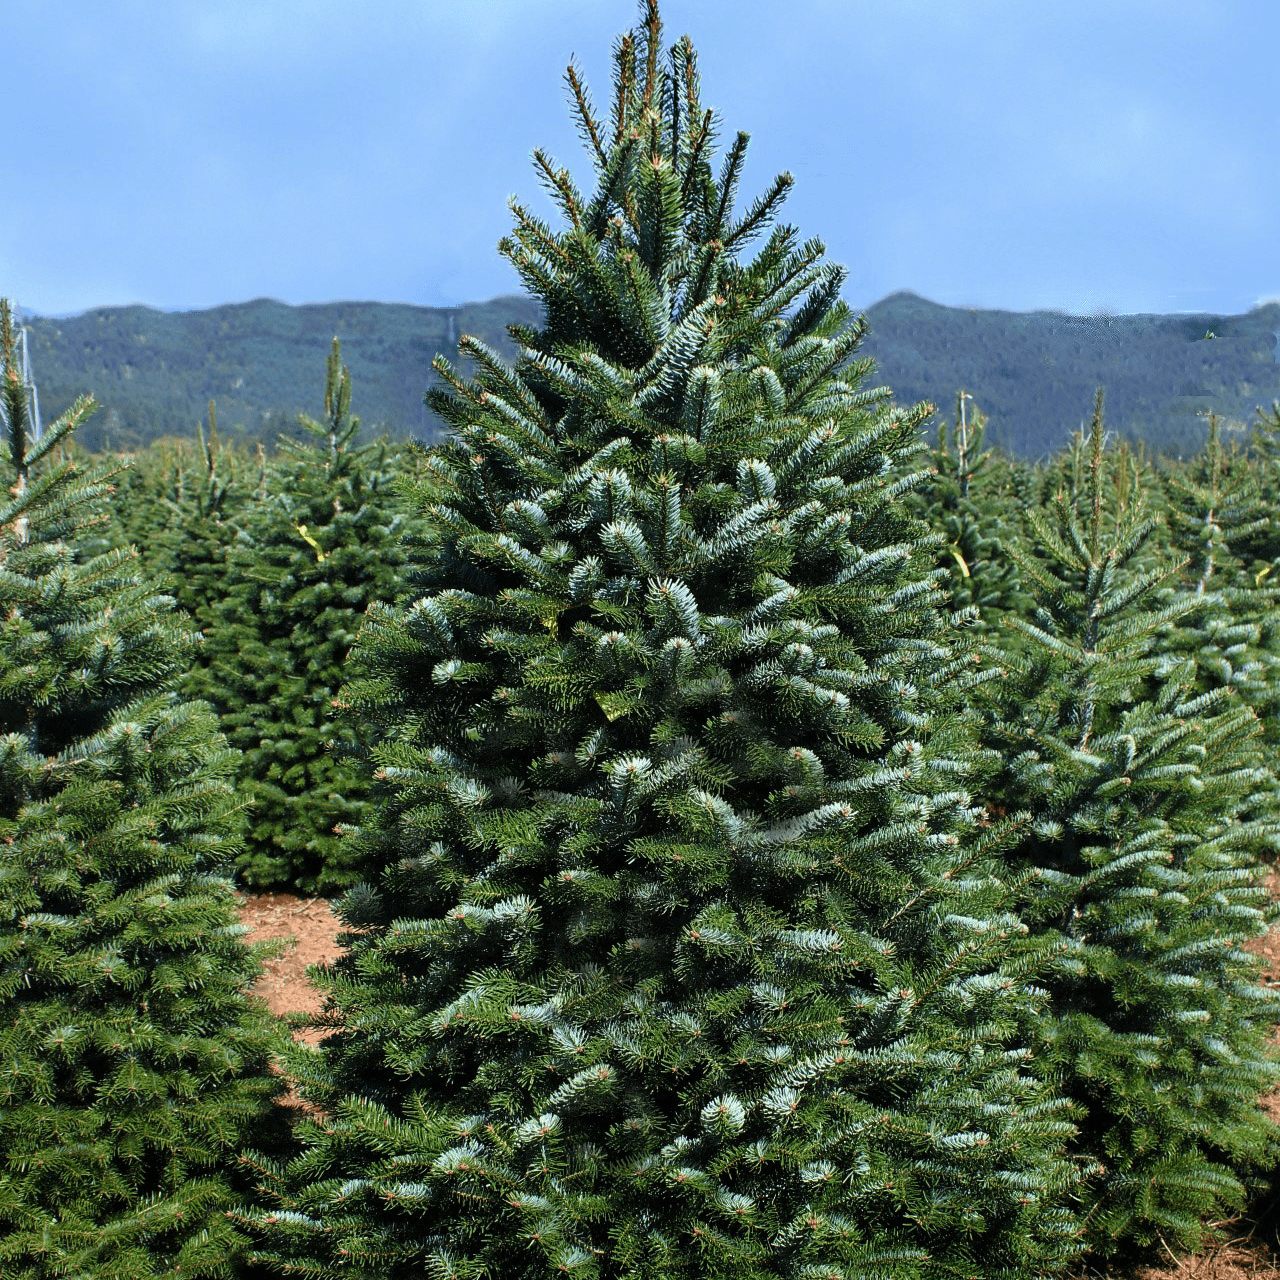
(761, 211)
(559, 186)
(730, 175)
(588, 128)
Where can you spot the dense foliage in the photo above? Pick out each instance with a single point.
(135, 1066)
(181, 504)
(324, 537)
(689, 955)
(775, 837)
(277, 559)
(1149, 805)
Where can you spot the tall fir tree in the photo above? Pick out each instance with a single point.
(307, 560)
(684, 961)
(134, 1064)
(1150, 804)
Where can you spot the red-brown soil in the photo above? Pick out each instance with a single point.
(313, 930)
(1253, 1249)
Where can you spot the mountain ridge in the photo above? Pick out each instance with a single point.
(1032, 373)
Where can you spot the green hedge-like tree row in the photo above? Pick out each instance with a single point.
(774, 847)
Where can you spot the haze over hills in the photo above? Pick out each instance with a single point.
(1032, 373)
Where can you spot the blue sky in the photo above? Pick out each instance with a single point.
(1080, 155)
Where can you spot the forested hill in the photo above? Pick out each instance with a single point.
(1032, 373)
(154, 372)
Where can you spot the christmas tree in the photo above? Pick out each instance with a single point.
(1149, 803)
(133, 1063)
(307, 560)
(684, 960)
(180, 504)
(1217, 518)
(974, 502)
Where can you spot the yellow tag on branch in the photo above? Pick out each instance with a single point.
(321, 556)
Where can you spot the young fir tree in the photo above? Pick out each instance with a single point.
(133, 1063)
(1126, 486)
(684, 961)
(305, 564)
(1258, 554)
(1262, 550)
(180, 505)
(973, 502)
(1264, 442)
(1217, 514)
(1152, 804)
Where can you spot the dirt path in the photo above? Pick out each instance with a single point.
(314, 929)
(284, 986)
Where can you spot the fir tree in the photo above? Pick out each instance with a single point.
(1257, 555)
(1217, 514)
(974, 502)
(306, 562)
(180, 505)
(1264, 439)
(1151, 804)
(684, 961)
(133, 1063)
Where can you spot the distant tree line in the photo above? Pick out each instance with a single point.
(154, 373)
